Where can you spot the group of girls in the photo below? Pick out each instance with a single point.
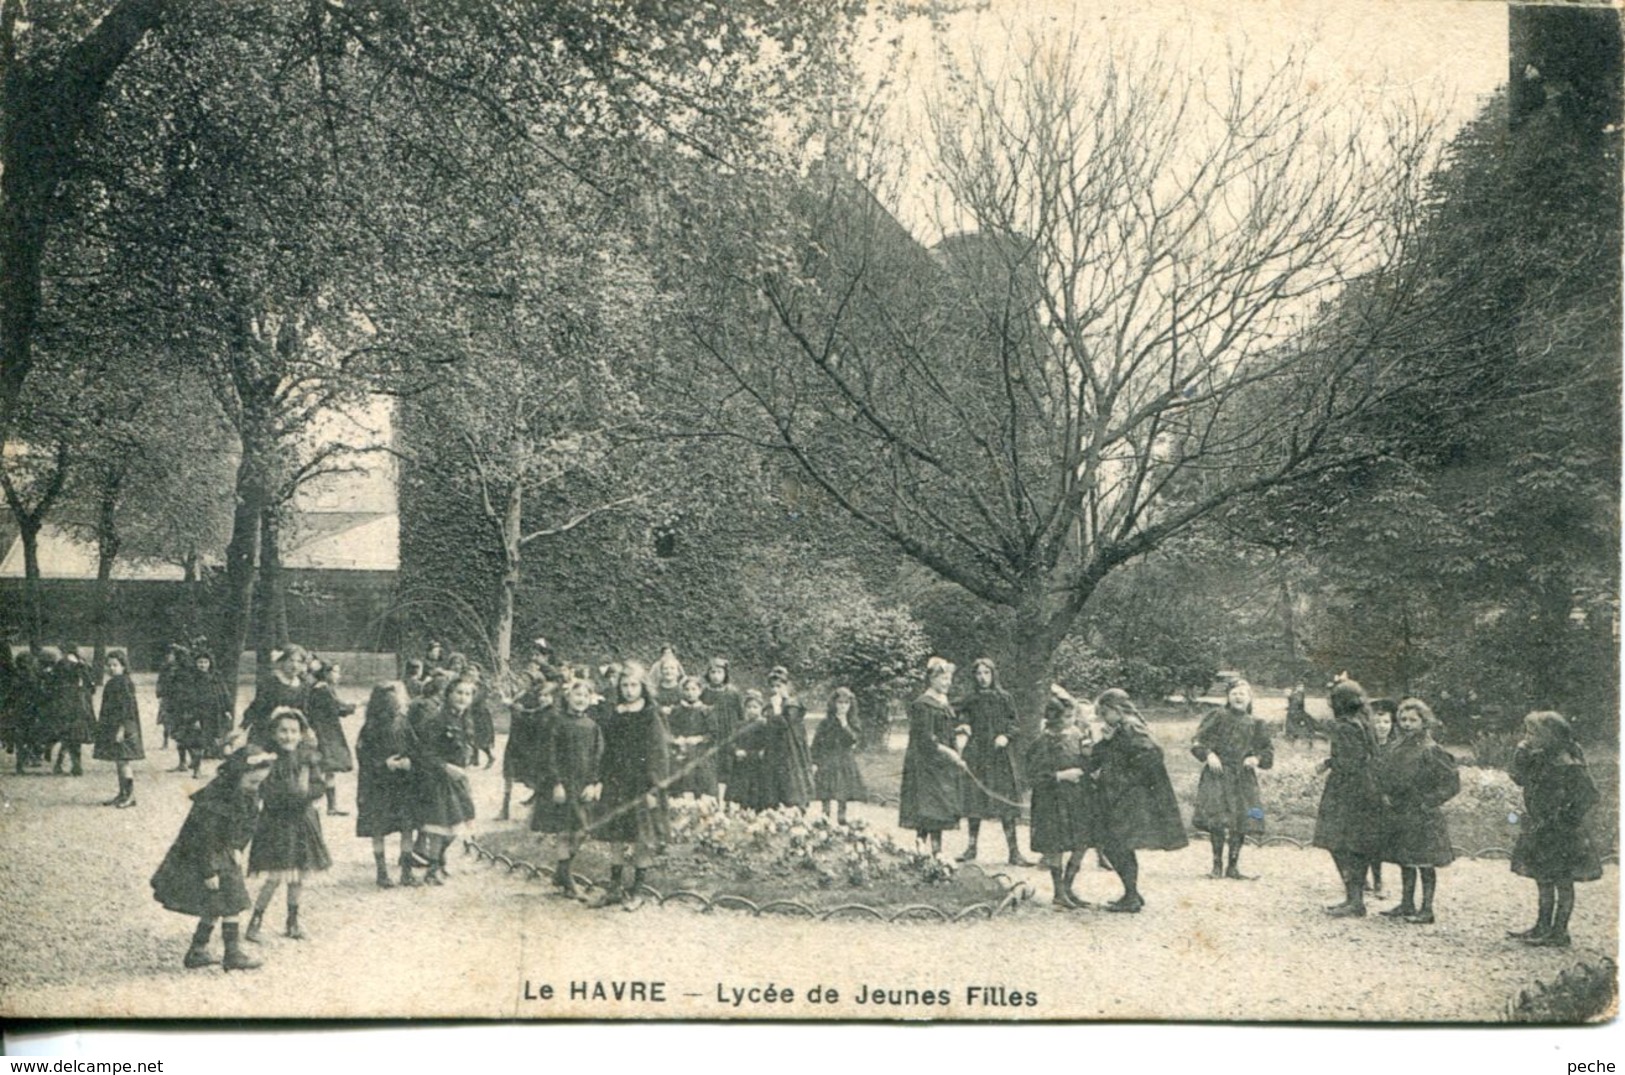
(1385, 787)
(606, 753)
(194, 706)
(1098, 779)
(47, 708)
(49, 703)
(255, 819)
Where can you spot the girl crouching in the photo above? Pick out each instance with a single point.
(202, 874)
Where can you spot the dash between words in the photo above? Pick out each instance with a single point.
(634, 991)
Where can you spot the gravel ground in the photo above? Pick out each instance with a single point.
(82, 937)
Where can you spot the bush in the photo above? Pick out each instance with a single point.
(822, 618)
(1083, 668)
(1583, 994)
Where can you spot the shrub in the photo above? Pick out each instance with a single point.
(1581, 994)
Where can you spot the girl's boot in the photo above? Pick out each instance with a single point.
(1543, 916)
(1015, 857)
(407, 880)
(1407, 895)
(507, 800)
(970, 845)
(1558, 935)
(612, 892)
(293, 929)
(1354, 905)
(634, 894)
(236, 958)
(255, 921)
(1057, 881)
(117, 800)
(198, 954)
(1068, 877)
(1424, 917)
(382, 867)
(127, 787)
(567, 879)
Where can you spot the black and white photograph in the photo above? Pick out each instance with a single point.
(935, 510)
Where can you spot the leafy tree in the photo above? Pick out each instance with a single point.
(56, 62)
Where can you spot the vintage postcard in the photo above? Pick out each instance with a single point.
(985, 511)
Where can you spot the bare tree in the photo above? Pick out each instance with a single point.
(1116, 339)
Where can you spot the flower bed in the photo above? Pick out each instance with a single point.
(719, 850)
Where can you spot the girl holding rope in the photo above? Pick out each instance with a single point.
(635, 769)
(571, 752)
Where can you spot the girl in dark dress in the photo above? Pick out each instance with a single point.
(693, 742)
(1137, 804)
(73, 693)
(202, 873)
(1349, 823)
(175, 668)
(528, 719)
(10, 684)
(203, 711)
(667, 681)
(836, 777)
(284, 688)
(728, 713)
(929, 801)
(1382, 730)
(573, 749)
(1065, 823)
(1553, 849)
(1415, 777)
(991, 753)
(788, 765)
(415, 677)
(747, 781)
(635, 769)
(326, 715)
(485, 729)
(384, 794)
(1232, 746)
(118, 730)
(445, 749)
(288, 835)
(28, 702)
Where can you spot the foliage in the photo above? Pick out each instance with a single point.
(1482, 554)
(1586, 993)
(1088, 671)
(819, 616)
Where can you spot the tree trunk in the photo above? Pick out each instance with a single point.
(242, 552)
(508, 592)
(107, 549)
(1035, 635)
(272, 591)
(29, 532)
(43, 108)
